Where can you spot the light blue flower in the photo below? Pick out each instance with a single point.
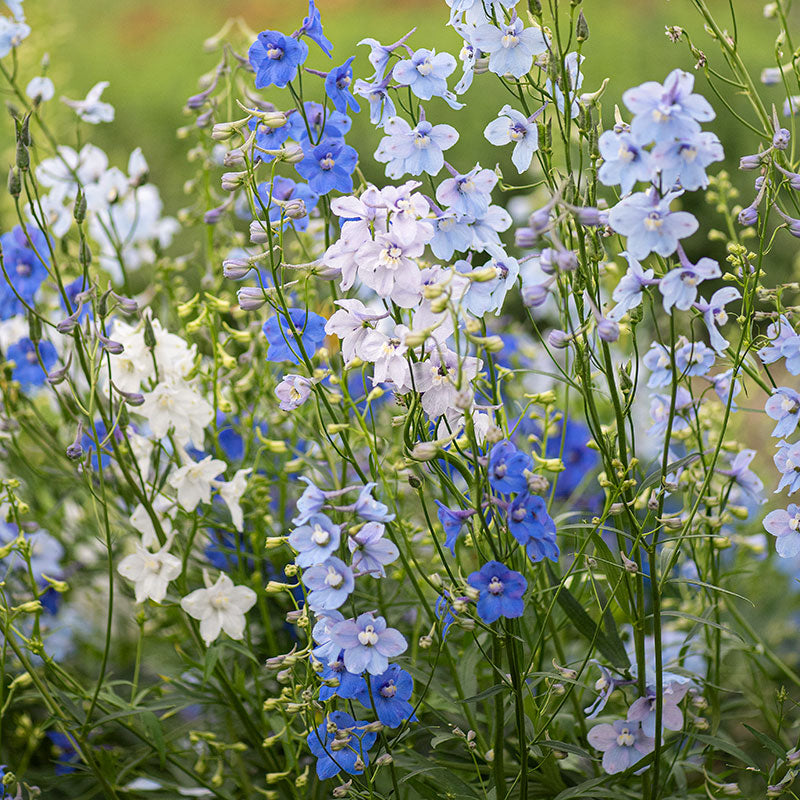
(784, 406)
(381, 105)
(714, 314)
(367, 643)
(669, 111)
(329, 583)
(660, 412)
(679, 286)
(511, 47)
(468, 195)
(328, 166)
(624, 161)
(628, 292)
(315, 541)
(645, 218)
(512, 126)
(658, 361)
(682, 162)
(485, 296)
(694, 358)
(451, 234)
(572, 65)
(407, 150)
(778, 333)
(11, 34)
(787, 460)
(425, 72)
(784, 525)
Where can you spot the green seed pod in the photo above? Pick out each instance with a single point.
(14, 182)
(149, 334)
(34, 327)
(23, 157)
(85, 254)
(79, 210)
(581, 28)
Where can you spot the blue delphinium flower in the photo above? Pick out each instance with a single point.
(645, 218)
(669, 111)
(370, 509)
(784, 525)
(507, 466)
(468, 195)
(784, 406)
(714, 314)
(315, 541)
(694, 358)
(658, 361)
(350, 749)
(511, 47)
(745, 478)
(324, 123)
(381, 105)
(622, 743)
(27, 369)
(683, 162)
(367, 643)
(282, 345)
(280, 191)
(391, 692)
(349, 686)
(371, 551)
(407, 150)
(501, 591)
(624, 161)
(451, 234)
(337, 87)
(679, 286)
(66, 756)
(579, 459)
(25, 266)
(426, 72)
(310, 502)
(328, 165)
(276, 58)
(268, 138)
(448, 608)
(723, 386)
(452, 520)
(513, 126)
(312, 27)
(628, 292)
(533, 527)
(660, 412)
(330, 584)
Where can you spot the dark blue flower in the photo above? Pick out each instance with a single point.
(328, 166)
(268, 138)
(312, 27)
(275, 58)
(447, 611)
(452, 520)
(337, 87)
(25, 266)
(323, 123)
(501, 591)
(506, 468)
(533, 527)
(350, 685)
(390, 694)
(65, 751)
(282, 345)
(352, 745)
(283, 190)
(27, 369)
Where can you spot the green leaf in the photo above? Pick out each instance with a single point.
(155, 735)
(727, 747)
(771, 745)
(486, 693)
(212, 656)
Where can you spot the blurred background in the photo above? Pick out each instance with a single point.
(151, 52)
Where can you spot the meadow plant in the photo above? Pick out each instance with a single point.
(324, 488)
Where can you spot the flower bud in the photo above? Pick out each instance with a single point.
(558, 339)
(233, 180)
(425, 451)
(534, 296)
(250, 298)
(258, 232)
(751, 162)
(780, 139)
(608, 330)
(233, 158)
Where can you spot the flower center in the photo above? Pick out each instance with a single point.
(626, 153)
(794, 522)
(516, 132)
(344, 81)
(220, 601)
(274, 52)
(495, 586)
(688, 153)
(334, 579)
(625, 739)
(23, 269)
(653, 221)
(519, 514)
(721, 316)
(389, 690)
(425, 68)
(328, 162)
(318, 535)
(368, 637)
(510, 39)
(421, 140)
(31, 356)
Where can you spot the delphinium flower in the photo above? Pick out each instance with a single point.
(580, 460)
(533, 527)
(151, 572)
(501, 591)
(468, 195)
(348, 686)
(340, 743)
(513, 126)
(193, 481)
(648, 223)
(658, 360)
(276, 58)
(381, 105)
(328, 165)
(293, 391)
(323, 123)
(787, 460)
(693, 358)
(337, 87)
(176, 407)
(628, 292)
(278, 195)
(574, 77)
(784, 525)
(282, 344)
(453, 520)
(714, 314)
(437, 380)
(330, 584)
(25, 259)
(315, 540)
(778, 333)
(413, 151)
(667, 111)
(370, 509)
(643, 709)
(683, 162)
(390, 693)
(12, 33)
(92, 109)
(220, 607)
(660, 412)
(744, 477)
(368, 643)
(371, 551)
(425, 72)
(27, 369)
(679, 286)
(487, 296)
(312, 28)
(624, 161)
(622, 743)
(784, 406)
(510, 47)
(605, 685)
(507, 467)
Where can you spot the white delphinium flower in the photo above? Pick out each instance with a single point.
(92, 109)
(176, 406)
(438, 379)
(143, 523)
(151, 572)
(135, 364)
(40, 88)
(194, 481)
(231, 492)
(220, 607)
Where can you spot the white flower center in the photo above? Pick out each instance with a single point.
(653, 221)
(625, 739)
(368, 637)
(334, 579)
(425, 68)
(319, 535)
(510, 39)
